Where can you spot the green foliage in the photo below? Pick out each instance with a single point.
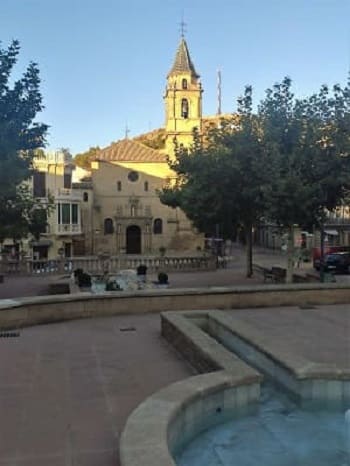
(83, 159)
(37, 222)
(287, 164)
(310, 143)
(222, 182)
(20, 137)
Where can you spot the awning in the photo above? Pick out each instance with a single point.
(331, 232)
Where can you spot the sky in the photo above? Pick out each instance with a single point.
(103, 63)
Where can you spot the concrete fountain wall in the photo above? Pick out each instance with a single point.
(22, 312)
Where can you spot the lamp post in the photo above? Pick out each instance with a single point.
(322, 253)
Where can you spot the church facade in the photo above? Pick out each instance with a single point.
(115, 208)
(122, 212)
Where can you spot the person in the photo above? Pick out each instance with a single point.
(141, 272)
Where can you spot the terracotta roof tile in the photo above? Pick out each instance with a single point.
(128, 150)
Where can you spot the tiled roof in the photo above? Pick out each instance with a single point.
(183, 62)
(128, 150)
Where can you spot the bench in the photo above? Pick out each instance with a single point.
(264, 271)
(273, 274)
(279, 274)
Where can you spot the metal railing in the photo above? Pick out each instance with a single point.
(68, 229)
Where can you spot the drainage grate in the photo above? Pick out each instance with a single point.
(9, 334)
(127, 329)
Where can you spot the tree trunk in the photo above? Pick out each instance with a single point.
(249, 250)
(290, 255)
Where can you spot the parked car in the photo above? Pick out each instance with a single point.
(336, 262)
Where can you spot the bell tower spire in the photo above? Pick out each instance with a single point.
(183, 99)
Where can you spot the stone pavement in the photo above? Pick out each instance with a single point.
(319, 334)
(67, 389)
(234, 274)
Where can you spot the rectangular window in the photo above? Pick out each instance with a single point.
(67, 181)
(59, 214)
(74, 214)
(65, 214)
(39, 184)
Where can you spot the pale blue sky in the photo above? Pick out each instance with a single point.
(104, 62)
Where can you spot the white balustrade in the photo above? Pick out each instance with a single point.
(111, 264)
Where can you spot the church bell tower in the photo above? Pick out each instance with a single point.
(183, 100)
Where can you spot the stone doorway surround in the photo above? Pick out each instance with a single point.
(133, 240)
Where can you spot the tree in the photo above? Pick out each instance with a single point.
(223, 180)
(20, 136)
(83, 159)
(309, 143)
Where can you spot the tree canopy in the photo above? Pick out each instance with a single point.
(309, 139)
(20, 136)
(83, 159)
(286, 163)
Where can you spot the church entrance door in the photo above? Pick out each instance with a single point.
(133, 240)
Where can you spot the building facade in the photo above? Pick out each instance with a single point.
(115, 208)
(123, 214)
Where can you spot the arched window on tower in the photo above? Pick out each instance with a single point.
(184, 83)
(184, 108)
(158, 226)
(108, 226)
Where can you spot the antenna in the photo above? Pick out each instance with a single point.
(127, 131)
(219, 92)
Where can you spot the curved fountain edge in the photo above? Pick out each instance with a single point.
(166, 421)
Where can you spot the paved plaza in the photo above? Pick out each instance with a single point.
(234, 274)
(67, 389)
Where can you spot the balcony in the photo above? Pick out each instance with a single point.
(337, 220)
(68, 229)
(64, 194)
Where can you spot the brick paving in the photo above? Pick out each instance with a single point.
(66, 389)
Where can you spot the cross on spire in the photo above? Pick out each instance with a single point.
(182, 26)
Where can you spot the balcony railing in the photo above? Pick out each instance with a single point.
(68, 229)
(337, 221)
(68, 194)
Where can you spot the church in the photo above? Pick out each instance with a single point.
(120, 210)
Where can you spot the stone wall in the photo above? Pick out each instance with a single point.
(21, 312)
